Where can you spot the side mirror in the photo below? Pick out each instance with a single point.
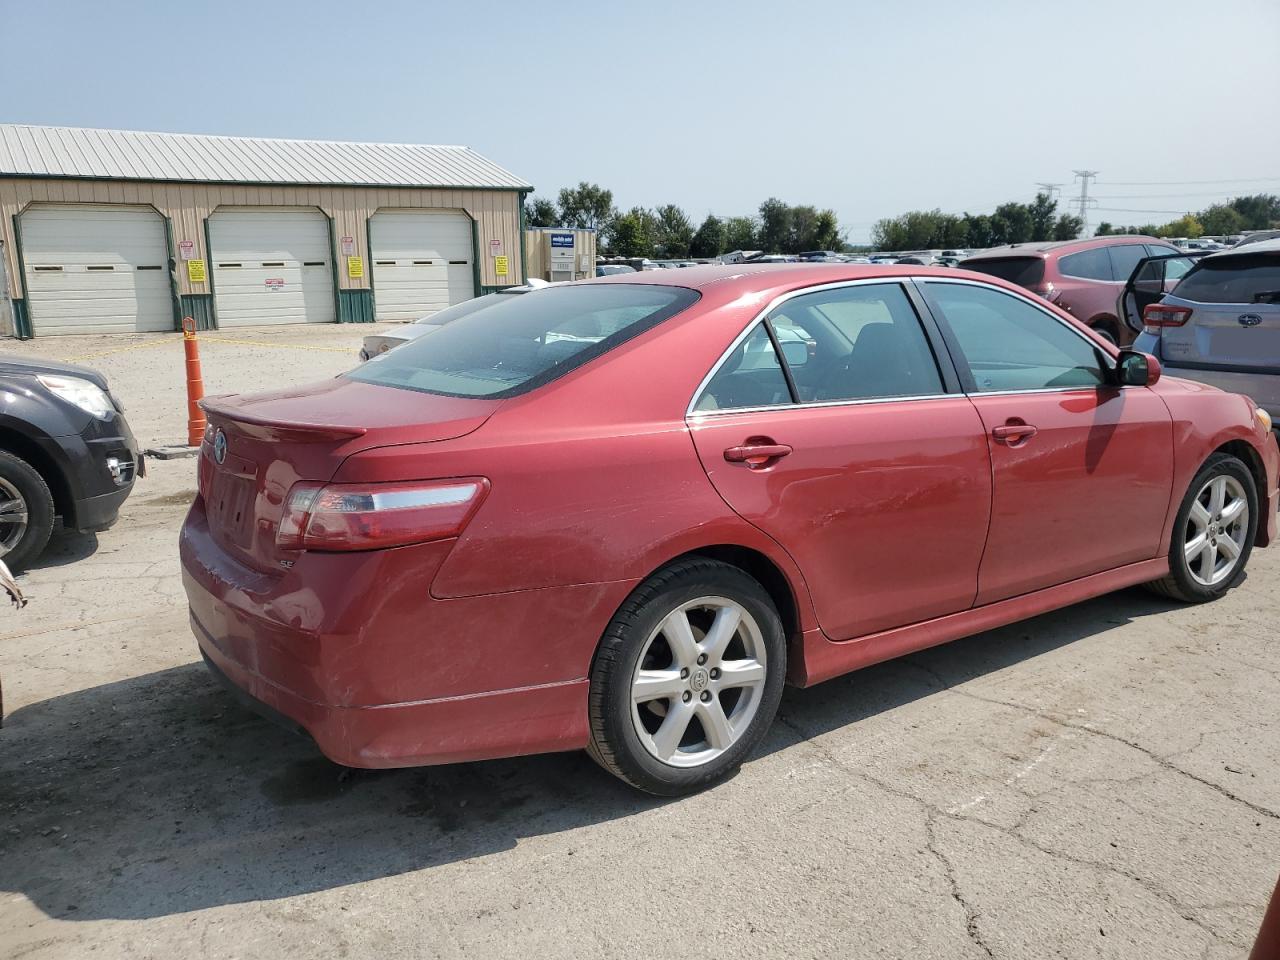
(796, 352)
(1135, 369)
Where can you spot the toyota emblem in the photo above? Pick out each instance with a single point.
(220, 446)
(1249, 319)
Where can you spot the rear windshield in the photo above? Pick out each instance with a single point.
(525, 341)
(1233, 279)
(1024, 271)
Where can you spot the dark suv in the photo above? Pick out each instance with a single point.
(1084, 277)
(65, 450)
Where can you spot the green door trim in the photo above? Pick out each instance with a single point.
(475, 255)
(23, 328)
(208, 274)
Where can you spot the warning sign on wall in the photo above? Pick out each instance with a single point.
(195, 271)
(500, 265)
(348, 246)
(355, 267)
(187, 249)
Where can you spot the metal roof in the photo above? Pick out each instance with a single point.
(30, 151)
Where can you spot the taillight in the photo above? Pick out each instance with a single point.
(370, 516)
(1158, 315)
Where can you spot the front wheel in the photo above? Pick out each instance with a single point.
(1213, 533)
(687, 678)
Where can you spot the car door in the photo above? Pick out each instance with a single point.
(1081, 468)
(857, 453)
(1151, 279)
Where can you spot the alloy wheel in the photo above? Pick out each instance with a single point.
(698, 682)
(13, 516)
(1216, 529)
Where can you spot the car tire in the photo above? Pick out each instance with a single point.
(19, 481)
(653, 681)
(1203, 542)
(1105, 334)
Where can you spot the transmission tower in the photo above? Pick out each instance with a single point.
(1084, 176)
(1050, 188)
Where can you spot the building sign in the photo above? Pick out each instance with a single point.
(186, 249)
(495, 248)
(562, 240)
(501, 266)
(348, 246)
(355, 267)
(274, 283)
(195, 271)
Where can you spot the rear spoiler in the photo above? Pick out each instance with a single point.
(266, 428)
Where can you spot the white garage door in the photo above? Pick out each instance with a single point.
(96, 269)
(421, 262)
(271, 265)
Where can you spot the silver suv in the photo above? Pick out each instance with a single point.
(1221, 323)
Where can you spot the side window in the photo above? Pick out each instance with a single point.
(1124, 257)
(866, 343)
(1011, 345)
(1173, 269)
(1092, 264)
(750, 376)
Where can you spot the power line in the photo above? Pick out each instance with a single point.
(1186, 183)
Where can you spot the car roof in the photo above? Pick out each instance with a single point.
(1261, 246)
(1049, 246)
(785, 276)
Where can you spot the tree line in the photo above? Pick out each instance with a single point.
(666, 232)
(1011, 222)
(1257, 212)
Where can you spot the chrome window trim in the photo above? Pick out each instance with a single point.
(699, 415)
(898, 281)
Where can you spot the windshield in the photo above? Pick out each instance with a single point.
(525, 341)
(1233, 279)
(1024, 271)
(465, 308)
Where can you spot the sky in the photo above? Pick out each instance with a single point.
(869, 108)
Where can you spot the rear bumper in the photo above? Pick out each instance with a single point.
(502, 723)
(355, 650)
(1262, 388)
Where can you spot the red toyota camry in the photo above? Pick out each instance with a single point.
(620, 514)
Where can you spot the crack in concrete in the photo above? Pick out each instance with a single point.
(934, 812)
(1158, 759)
(948, 871)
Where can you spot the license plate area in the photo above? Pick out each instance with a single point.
(231, 508)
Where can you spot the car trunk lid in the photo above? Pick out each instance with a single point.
(260, 445)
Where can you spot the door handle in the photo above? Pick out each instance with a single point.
(1014, 433)
(756, 454)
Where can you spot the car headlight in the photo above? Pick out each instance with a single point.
(1264, 418)
(85, 394)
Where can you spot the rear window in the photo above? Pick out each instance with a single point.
(1024, 271)
(459, 310)
(526, 341)
(1233, 279)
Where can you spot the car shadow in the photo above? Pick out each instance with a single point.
(159, 794)
(65, 547)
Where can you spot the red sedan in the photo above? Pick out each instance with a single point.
(620, 514)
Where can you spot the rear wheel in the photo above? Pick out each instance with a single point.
(26, 512)
(687, 678)
(1213, 533)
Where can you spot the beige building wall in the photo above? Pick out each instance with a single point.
(495, 212)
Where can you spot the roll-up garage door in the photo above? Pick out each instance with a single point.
(422, 262)
(271, 265)
(96, 269)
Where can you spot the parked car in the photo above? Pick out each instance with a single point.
(1221, 323)
(378, 343)
(618, 516)
(1257, 237)
(612, 269)
(65, 451)
(1151, 279)
(1083, 277)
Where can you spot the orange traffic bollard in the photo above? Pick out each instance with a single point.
(195, 384)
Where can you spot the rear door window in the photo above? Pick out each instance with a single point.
(1009, 344)
(525, 341)
(1233, 279)
(750, 376)
(1092, 264)
(1124, 257)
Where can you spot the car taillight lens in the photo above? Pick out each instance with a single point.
(1158, 315)
(371, 516)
